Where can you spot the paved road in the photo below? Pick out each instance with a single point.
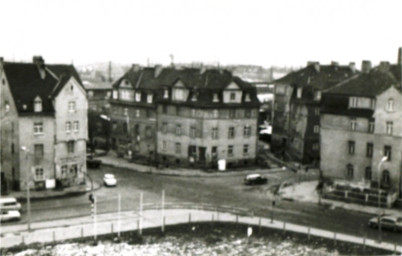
(216, 190)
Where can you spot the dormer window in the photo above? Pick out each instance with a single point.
(299, 92)
(115, 94)
(232, 96)
(149, 98)
(138, 96)
(179, 94)
(390, 105)
(353, 102)
(194, 97)
(166, 94)
(38, 104)
(216, 98)
(247, 97)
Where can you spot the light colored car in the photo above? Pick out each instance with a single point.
(11, 215)
(9, 203)
(390, 222)
(109, 180)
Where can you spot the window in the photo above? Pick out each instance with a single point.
(247, 97)
(70, 146)
(369, 150)
(385, 179)
(76, 126)
(178, 129)
(63, 171)
(74, 170)
(90, 94)
(389, 127)
(193, 113)
(232, 113)
(216, 113)
(68, 126)
(38, 105)
(149, 98)
(148, 113)
(215, 98)
(39, 174)
(164, 109)
(164, 146)
(137, 113)
(299, 92)
(367, 173)
(245, 149)
(138, 96)
(351, 145)
(107, 96)
(192, 132)
(38, 128)
(231, 133)
(12, 148)
(164, 127)
(317, 96)
(317, 111)
(247, 131)
(316, 129)
(353, 124)
(125, 111)
(247, 113)
(6, 106)
(126, 94)
(215, 133)
(166, 94)
(178, 148)
(71, 106)
(371, 126)
(179, 94)
(390, 105)
(349, 171)
(388, 152)
(353, 102)
(230, 150)
(315, 146)
(38, 150)
(232, 96)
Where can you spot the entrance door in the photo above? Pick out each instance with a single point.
(201, 155)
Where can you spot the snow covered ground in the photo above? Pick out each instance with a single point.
(304, 191)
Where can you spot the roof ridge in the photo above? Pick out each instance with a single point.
(342, 82)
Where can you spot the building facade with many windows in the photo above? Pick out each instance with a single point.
(186, 116)
(360, 124)
(44, 125)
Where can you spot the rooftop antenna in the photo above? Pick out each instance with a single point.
(171, 60)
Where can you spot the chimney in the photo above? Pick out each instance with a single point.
(384, 66)
(366, 66)
(135, 67)
(40, 63)
(316, 65)
(400, 56)
(110, 71)
(158, 70)
(352, 66)
(334, 63)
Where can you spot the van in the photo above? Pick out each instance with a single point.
(9, 203)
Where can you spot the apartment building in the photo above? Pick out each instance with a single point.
(296, 127)
(184, 116)
(360, 124)
(43, 125)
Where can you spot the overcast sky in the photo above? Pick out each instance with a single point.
(285, 33)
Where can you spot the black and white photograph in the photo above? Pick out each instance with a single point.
(200, 127)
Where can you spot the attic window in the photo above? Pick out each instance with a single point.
(247, 97)
(115, 94)
(149, 98)
(6, 106)
(232, 96)
(215, 99)
(3, 81)
(24, 106)
(194, 97)
(138, 96)
(166, 94)
(317, 95)
(38, 104)
(71, 88)
(299, 92)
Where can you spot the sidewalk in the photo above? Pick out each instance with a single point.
(51, 193)
(115, 161)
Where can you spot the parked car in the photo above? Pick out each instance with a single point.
(9, 203)
(390, 222)
(9, 215)
(109, 180)
(255, 179)
(93, 163)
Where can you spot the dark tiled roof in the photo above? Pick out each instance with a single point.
(204, 84)
(26, 84)
(368, 84)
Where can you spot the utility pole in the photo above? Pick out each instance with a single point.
(385, 158)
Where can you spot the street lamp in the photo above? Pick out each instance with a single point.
(24, 148)
(385, 158)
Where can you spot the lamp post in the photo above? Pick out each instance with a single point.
(385, 158)
(24, 148)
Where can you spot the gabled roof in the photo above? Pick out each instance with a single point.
(369, 84)
(26, 84)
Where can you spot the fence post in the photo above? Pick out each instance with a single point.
(82, 232)
(259, 224)
(308, 233)
(54, 236)
(189, 217)
(163, 224)
(284, 227)
(334, 238)
(111, 228)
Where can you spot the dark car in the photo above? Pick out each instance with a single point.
(390, 222)
(93, 163)
(255, 179)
